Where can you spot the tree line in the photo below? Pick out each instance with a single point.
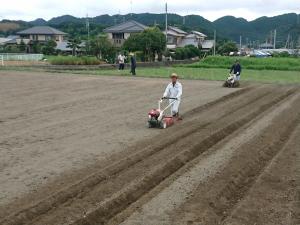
(148, 46)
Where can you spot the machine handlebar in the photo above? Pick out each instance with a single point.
(169, 98)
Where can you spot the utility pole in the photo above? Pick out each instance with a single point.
(215, 41)
(131, 8)
(167, 22)
(271, 37)
(240, 43)
(287, 42)
(275, 34)
(88, 32)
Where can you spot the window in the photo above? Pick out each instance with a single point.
(25, 36)
(48, 38)
(171, 40)
(118, 35)
(117, 41)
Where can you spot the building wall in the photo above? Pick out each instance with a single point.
(118, 41)
(43, 38)
(126, 35)
(110, 36)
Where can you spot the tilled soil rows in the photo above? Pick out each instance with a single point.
(211, 168)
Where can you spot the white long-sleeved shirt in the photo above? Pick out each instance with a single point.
(121, 58)
(173, 91)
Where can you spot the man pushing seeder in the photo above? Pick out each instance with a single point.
(172, 94)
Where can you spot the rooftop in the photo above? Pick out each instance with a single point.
(126, 27)
(208, 44)
(42, 30)
(4, 40)
(177, 30)
(198, 33)
(63, 46)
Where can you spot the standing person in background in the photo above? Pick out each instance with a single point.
(121, 61)
(132, 64)
(236, 69)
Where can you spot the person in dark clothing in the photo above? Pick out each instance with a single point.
(236, 69)
(133, 64)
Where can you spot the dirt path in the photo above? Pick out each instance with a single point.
(74, 152)
(51, 124)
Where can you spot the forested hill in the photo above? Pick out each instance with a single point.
(227, 27)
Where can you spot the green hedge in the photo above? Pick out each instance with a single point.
(73, 60)
(187, 52)
(292, 64)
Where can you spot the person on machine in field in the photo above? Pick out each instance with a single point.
(236, 69)
(174, 90)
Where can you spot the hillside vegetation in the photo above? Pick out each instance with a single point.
(8, 26)
(227, 27)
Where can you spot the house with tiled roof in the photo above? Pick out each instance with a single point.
(42, 34)
(119, 33)
(177, 38)
(174, 37)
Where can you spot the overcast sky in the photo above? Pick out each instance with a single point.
(210, 9)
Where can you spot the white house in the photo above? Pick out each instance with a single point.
(121, 32)
(178, 38)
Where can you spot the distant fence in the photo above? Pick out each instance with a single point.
(20, 57)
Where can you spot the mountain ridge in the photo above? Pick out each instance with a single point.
(228, 27)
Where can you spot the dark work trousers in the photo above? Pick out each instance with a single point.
(121, 66)
(133, 70)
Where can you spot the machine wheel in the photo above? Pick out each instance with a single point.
(225, 84)
(163, 125)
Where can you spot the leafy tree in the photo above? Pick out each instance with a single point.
(154, 42)
(22, 46)
(192, 51)
(187, 52)
(36, 47)
(74, 44)
(151, 41)
(227, 47)
(133, 43)
(11, 49)
(102, 48)
(49, 48)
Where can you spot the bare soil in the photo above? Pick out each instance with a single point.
(75, 150)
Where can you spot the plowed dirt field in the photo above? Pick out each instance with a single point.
(75, 149)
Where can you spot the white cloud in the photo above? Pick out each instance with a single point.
(213, 9)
